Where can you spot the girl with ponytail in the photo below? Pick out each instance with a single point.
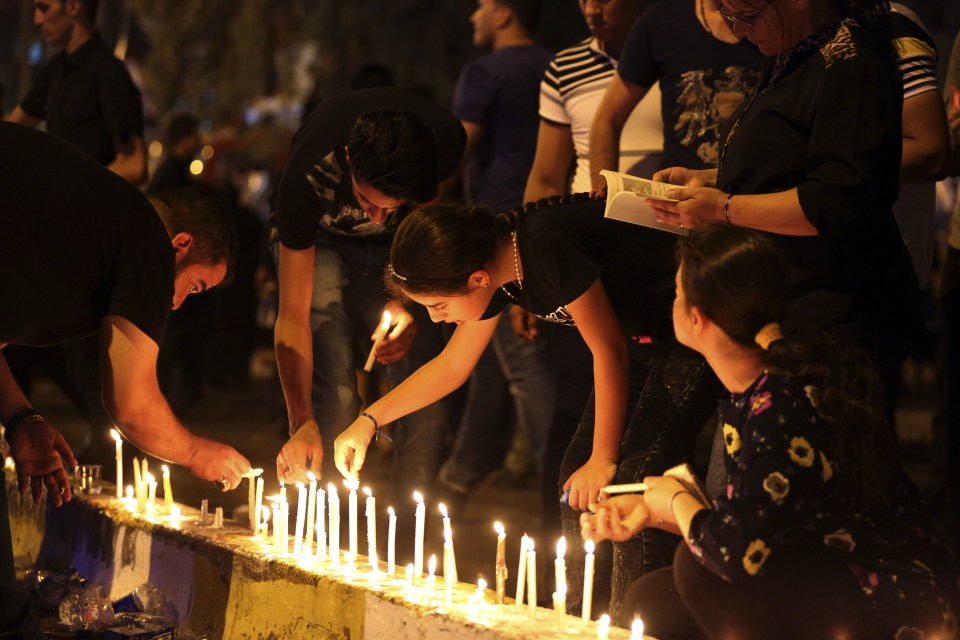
(820, 533)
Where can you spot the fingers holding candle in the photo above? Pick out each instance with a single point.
(377, 337)
(350, 448)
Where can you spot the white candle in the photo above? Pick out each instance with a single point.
(131, 501)
(588, 581)
(311, 512)
(531, 576)
(636, 629)
(218, 518)
(421, 516)
(501, 563)
(144, 470)
(119, 442)
(334, 505)
(522, 570)
(431, 575)
(138, 483)
(253, 509)
(321, 524)
(352, 515)
(409, 574)
(284, 527)
(449, 558)
(152, 495)
(175, 516)
(481, 588)
(301, 518)
(258, 499)
(276, 527)
(391, 542)
(603, 627)
(378, 335)
(560, 566)
(204, 506)
(371, 506)
(560, 607)
(265, 518)
(167, 490)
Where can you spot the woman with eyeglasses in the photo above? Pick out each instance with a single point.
(820, 534)
(813, 160)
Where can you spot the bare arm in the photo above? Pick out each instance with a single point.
(292, 338)
(130, 162)
(926, 138)
(598, 325)
(551, 164)
(453, 185)
(617, 104)
(132, 398)
(19, 116)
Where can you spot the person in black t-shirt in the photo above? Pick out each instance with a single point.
(360, 162)
(569, 265)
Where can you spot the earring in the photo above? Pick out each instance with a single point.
(486, 285)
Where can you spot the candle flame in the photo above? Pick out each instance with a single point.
(432, 564)
(148, 478)
(264, 513)
(353, 485)
(385, 322)
(636, 629)
(561, 547)
(604, 621)
(498, 528)
(443, 511)
(300, 485)
(331, 488)
(367, 491)
(418, 497)
(252, 473)
(391, 511)
(481, 585)
(166, 470)
(277, 499)
(129, 492)
(115, 434)
(311, 476)
(530, 544)
(588, 546)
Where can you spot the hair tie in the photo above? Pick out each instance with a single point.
(769, 333)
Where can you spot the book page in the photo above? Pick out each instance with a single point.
(625, 200)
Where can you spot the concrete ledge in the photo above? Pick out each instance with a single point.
(225, 584)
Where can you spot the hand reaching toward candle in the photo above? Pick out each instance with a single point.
(397, 342)
(41, 454)
(350, 448)
(214, 461)
(618, 518)
(303, 452)
(585, 483)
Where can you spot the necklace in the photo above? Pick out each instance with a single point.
(706, 20)
(516, 257)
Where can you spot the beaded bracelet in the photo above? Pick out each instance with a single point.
(376, 425)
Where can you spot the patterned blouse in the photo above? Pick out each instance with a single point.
(783, 491)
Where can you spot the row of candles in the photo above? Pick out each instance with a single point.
(318, 511)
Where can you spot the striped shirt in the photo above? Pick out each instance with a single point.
(570, 94)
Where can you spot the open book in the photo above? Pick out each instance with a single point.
(625, 200)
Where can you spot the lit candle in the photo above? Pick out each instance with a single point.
(204, 506)
(284, 525)
(334, 505)
(636, 629)
(409, 574)
(449, 559)
(283, 492)
(258, 499)
(588, 581)
(138, 483)
(311, 512)
(152, 495)
(119, 442)
(378, 335)
(167, 490)
(352, 515)
(522, 570)
(175, 516)
(431, 575)
(371, 506)
(131, 501)
(145, 470)
(321, 524)
(276, 527)
(301, 518)
(560, 607)
(262, 528)
(481, 588)
(531, 576)
(603, 627)
(253, 509)
(501, 565)
(560, 566)
(391, 542)
(421, 516)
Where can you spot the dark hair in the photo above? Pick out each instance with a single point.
(739, 280)
(395, 153)
(874, 17)
(527, 12)
(206, 218)
(182, 126)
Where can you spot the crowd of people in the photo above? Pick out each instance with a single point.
(800, 141)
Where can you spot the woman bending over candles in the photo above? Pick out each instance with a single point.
(566, 263)
(820, 533)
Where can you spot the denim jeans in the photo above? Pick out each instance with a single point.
(348, 300)
(510, 367)
(672, 394)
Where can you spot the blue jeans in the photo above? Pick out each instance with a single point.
(672, 393)
(509, 367)
(348, 300)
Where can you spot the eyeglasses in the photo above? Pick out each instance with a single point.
(744, 20)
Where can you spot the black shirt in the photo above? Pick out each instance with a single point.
(173, 173)
(87, 98)
(315, 191)
(77, 243)
(565, 248)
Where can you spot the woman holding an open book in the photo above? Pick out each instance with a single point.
(612, 282)
(813, 160)
(820, 533)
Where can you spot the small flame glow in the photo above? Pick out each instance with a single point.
(498, 528)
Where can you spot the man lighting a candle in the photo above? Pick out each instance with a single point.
(358, 165)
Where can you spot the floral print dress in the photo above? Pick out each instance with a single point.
(783, 491)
